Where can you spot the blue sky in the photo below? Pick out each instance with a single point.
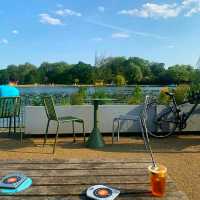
(72, 30)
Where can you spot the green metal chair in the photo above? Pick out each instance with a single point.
(10, 109)
(52, 116)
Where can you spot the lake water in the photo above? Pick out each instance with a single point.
(68, 90)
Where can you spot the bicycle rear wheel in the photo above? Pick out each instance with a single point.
(164, 123)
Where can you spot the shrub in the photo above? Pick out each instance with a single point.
(83, 91)
(64, 101)
(76, 99)
(181, 92)
(163, 98)
(79, 97)
(101, 95)
(193, 93)
(137, 96)
(195, 87)
(37, 101)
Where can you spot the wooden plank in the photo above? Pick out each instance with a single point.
(61, 166)
(86, 172)
(169, 196)
(72, 190)
(92, 180)
(58, 161)
(68, 180)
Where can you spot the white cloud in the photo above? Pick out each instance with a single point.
(15, 32)
(192, 7)
(68, 12)
(153, 10)
(101, 9)
(3, 41)
(120, 35)
(189, 2)
(47, 19)
(192, 11)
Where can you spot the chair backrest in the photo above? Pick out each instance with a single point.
(9, 106)
(50, 108)
(17, 106)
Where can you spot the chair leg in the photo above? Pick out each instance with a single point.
(54, 146)
(118, 129)
(113, 131)
(83, 131)
(74, 136)
(46, 132)
(14, 124)
(20, 130)
(10, 124)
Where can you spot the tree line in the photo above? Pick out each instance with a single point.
(118, 70)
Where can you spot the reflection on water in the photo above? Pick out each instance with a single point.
(68, 90)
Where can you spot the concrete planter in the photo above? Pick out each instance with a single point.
(36, 120)
(193, 123)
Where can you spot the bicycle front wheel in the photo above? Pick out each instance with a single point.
(166, 123)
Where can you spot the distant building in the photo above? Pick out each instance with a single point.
(99, 83)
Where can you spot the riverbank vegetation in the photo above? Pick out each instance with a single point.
(182, 92)
(113, 70)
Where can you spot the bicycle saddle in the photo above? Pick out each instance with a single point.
(169, 94)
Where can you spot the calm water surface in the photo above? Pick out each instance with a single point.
(67, 90)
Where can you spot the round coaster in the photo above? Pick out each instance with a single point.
(26, 184)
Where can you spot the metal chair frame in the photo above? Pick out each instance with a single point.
(134, 118)
(52, 116)
(10, 108)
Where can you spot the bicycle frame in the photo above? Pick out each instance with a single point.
(182, 118)
(187, 115)
(171, 117)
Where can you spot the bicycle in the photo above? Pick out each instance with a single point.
(172, 116)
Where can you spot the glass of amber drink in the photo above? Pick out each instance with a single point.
(158, 175)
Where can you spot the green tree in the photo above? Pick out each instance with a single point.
(195, 76)
(13, 73)
(4, 77)
(31, 77)
(144, 68)
(53, 72)
(157, 70)
(120, 80)
(83, 72)
(135, 74)
(27, 73)
(180, 73)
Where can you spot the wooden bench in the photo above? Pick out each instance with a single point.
(68, 180)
